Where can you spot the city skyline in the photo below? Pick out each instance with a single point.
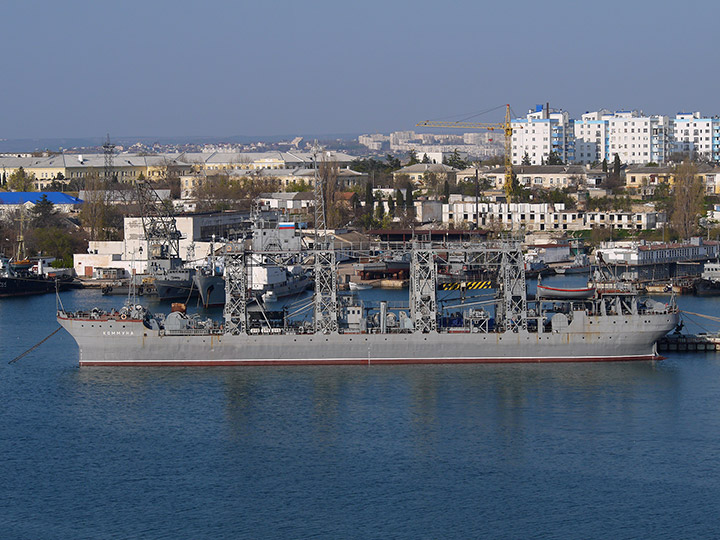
(167, 69)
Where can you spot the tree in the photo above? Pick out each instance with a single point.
(605, 165)
(446, 192)
(412, 154)
(380, 210)
(369, 198)
(21, 181)
(96, 206)
(400, 200)
(301, 186)
(43, 214)
(391, 206)
(554, 158)
(614, 178)
(432, 183)
(409, 203)
(392, 162)
(688, 200)
(425, 158)
(526, 159)
(456, 161)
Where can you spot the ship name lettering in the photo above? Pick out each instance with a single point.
(118, 333)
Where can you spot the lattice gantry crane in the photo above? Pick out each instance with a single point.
(505, 126)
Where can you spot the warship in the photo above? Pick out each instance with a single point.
(509, 326)
(267, 280)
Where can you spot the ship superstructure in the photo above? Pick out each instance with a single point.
(344, 329)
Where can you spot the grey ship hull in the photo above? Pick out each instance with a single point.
(587, 338)
(212, 289)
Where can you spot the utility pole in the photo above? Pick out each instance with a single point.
(477, 202)
(109, 152)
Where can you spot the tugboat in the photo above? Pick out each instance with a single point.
(709, 282)
(23, 282)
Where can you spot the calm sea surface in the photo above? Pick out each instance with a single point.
(617, 450)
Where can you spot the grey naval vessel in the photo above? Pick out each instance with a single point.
(509, 326)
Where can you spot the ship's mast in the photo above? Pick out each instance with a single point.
(326, 307)
(320, 223)
(512, 309)
(236, 288)
(423, 286)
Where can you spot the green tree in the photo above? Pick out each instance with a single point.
(456, 161)
(369, 198)
(20, 180)
(392, 162)
(425, 158)
(446, 192)
(380, 210)
(605, 165)
(432, 183)
(412, 154)
(400, 199)
(554, 159)
(301, 186)
(688, 200)
(526, 159)
(617, 165)
(409, 202)
(43, 214)
(391, 206)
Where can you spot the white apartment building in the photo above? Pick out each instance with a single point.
(512, 216)
(541, 132)
(542, 216)
(591, 136)
(695, 133)
(400, 137)
(638, 139)
(374, 141)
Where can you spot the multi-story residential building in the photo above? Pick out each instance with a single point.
(623, 220)
(638, 139)
(545, 176)
(511, 216)
(543, 131)
(374, 142)
(695, 134)
(419, 172)
(400, 137)
(591, 136)
(543, 216)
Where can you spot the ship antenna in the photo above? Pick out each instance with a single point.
(132, 292)
(58, 301)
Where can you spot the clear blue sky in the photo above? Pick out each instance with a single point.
(176, 68)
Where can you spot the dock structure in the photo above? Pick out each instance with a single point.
(689, 343)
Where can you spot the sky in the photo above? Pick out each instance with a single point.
(275, 67)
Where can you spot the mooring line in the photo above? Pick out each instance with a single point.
(35, 346)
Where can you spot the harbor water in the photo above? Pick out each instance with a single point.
(600, 450)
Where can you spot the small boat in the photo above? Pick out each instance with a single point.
(359, 286)
(580, 265)
(554, 292)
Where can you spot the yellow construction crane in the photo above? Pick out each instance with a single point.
(505, 126)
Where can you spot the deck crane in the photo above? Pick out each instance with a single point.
(505, 126)
(159, 228)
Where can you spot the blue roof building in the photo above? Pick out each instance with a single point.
(22, 197)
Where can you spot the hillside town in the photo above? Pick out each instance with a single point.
(605, 177)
